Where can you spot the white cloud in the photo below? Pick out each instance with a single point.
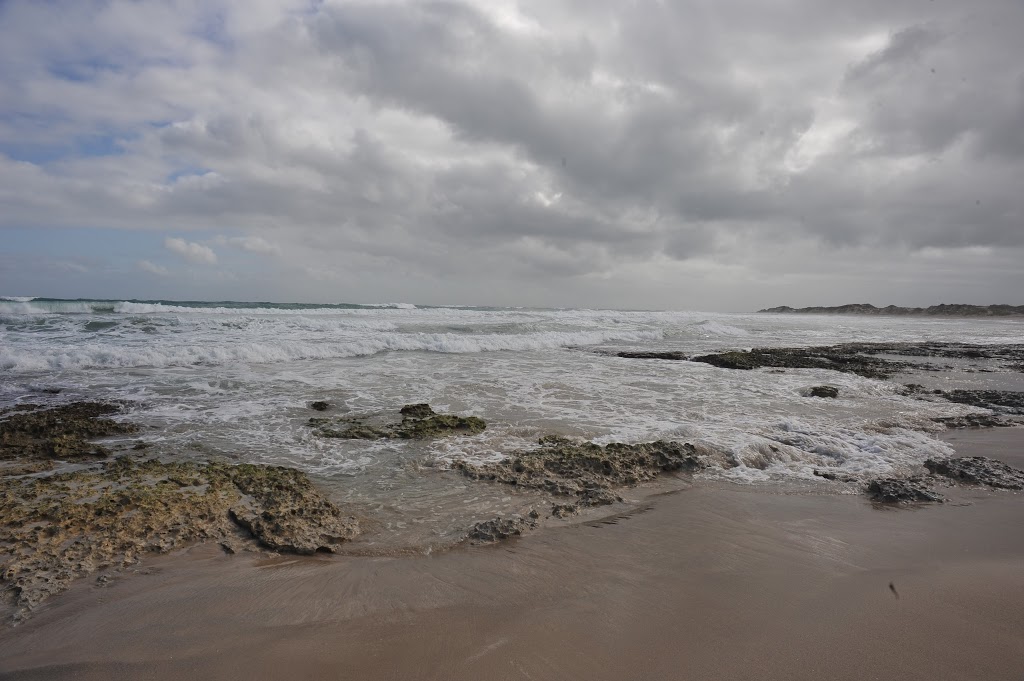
(191, 251)
(252, 244)
(152, 268)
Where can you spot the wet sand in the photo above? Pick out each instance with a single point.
(711, 582)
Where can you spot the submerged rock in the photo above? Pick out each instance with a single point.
(825, 391)
(319, 405)
(66, 525)
(977, 470)
(672, 355)
(585, 470)
(901, 491)
(418, 421)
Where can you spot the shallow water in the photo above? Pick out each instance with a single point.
(224, 379)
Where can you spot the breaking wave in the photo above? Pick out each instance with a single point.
(95, 355)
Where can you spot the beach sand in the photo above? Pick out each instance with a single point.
(716, 581)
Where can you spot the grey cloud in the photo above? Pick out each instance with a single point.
(577, 142)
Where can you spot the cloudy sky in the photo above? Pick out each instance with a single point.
(691, 154)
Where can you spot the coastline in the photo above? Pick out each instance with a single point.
(714, 581)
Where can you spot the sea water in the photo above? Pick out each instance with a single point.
(235, 380)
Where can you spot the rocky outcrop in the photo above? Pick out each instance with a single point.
(856, 358)
(974, 421)
(847, 359)
(1000, 401)
(418, 421)
(284, 512)
(972, 470)
(586, 471)
(668, 354)
(105, 512)
(977, 470)
(62, 432)
(901, 491)
(62, 526)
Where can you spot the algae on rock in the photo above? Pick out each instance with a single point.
(418, 422)
(586, 470)
(60, 432)
(63, 526)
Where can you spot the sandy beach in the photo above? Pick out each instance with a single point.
(716, 581)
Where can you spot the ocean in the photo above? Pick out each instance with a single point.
(235, 380)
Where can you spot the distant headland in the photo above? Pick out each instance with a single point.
(944, 310)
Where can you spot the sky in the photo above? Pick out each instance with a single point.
(711, 155)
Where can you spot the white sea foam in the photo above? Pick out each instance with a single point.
(94, 355)
(238, 380)
(715, 328)
(18, 299)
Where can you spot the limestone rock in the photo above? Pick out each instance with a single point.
(585, 470)
(900, 491)
(978, 470)
(418, 421)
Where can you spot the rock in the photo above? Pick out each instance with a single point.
(319, 405)
(416, 411)
(1001, 401)
(829, 475)
(978, 470)
(825, 391)
(499, 529)
(974, 421)
(845, 358)
(440, 424)
(672, 355)
(585, 470)
(284, 512)
(564, 510)
(900, 491)
(60, 433)
(418, 421)
(63, 526)
(733, 360)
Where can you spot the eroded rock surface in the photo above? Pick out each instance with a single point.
(864, 359)
(499, 529)
(57, 528)
(901, 491)
(848, 358)
(974, 421)
(999, 401)
(62, 432)
(418, 421)
(587, 471)
(977, 470)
